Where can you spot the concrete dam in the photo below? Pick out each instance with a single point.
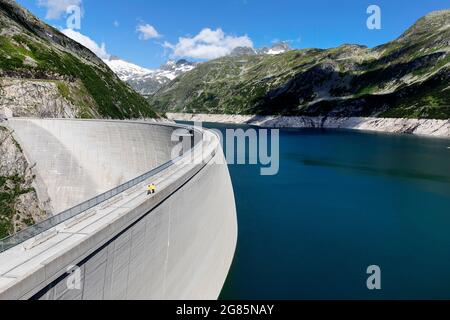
(106, 238)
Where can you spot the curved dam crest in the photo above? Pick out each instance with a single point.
(77, 160)
(176, 244)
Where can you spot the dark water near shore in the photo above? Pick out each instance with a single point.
(344, 200)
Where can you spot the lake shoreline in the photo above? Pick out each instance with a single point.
(422, 127)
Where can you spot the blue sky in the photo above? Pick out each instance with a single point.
(312, 23)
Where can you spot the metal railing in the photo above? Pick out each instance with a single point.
(45, 225)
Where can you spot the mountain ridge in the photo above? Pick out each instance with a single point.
(43, 73)
(149, 81)
(406, 77)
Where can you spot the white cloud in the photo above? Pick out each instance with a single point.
(208, 44)
(147, 32)
(99, 50)
(116, 23)
(55, 8)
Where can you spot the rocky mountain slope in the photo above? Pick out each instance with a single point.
(44, 73)
(19, 205)
(125, 70)
(408, 77)
(149, 83)
(276, 48)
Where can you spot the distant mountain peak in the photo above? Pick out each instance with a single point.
(434, 22)
(183, 61)
(124, 69)
(174, 65)
(276, 48)
(431, 31)
(148, 81)
(408, 77)
(242, 51)
(281, 45)
(437, 14)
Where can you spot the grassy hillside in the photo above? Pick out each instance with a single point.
(30, 49)
(408, 77)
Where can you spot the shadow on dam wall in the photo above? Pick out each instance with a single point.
(177, 244)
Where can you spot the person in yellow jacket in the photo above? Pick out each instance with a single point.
(151, 189)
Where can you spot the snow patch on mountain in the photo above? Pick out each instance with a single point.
(148, 81)
(126, 70)
(277, 48)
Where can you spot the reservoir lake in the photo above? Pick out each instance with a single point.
(343, 201)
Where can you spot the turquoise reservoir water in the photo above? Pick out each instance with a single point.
(342, 201)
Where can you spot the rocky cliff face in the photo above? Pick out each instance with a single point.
(406, 78)
(45, 99)
(44, 73)
(19, 204)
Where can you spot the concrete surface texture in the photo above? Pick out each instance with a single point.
(77, 160)
(176, 244)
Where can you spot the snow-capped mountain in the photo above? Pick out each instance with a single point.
(277, 48)
(173, 69)
(148, 81)
(126, 70)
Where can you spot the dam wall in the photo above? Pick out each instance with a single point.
(77, 160)
(176, 244)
